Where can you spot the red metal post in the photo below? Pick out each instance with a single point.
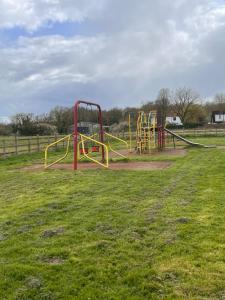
(163, 138)
(75, 137)
(76, 133)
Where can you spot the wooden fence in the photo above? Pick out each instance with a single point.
(207, 132)
(14, 145)
(185, 133)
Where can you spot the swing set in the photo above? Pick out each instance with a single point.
(84, 145)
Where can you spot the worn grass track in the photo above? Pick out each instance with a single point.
(114, 234)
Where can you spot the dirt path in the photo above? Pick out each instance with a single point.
(113, 166)
(167, 152)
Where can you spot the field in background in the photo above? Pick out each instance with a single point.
(105, 234)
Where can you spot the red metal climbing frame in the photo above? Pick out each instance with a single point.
(161, 132)
(76, 133)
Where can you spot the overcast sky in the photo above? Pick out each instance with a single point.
(116, 52)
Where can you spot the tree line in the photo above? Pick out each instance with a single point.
(184, 103)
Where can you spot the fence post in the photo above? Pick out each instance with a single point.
(28, 140)
(16, 144)
(38, 143)
(55, 141)
(4, 148)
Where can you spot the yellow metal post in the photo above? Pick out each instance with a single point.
(130, 137)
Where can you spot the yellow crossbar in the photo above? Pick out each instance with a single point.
(79, 157)
(83, 139)
(118, 139)
(68, 138)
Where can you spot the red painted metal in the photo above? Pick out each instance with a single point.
(159, 138)
(84, 151)
(95, 148)
(76, 133)
(161, 131)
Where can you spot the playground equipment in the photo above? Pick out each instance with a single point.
(151, 133)
(83, 145)
(186, 140)
(66, 138)
(146, 132)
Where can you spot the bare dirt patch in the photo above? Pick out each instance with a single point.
(130, 165)
(113, 166)
(53, 232)
(155, 152)
(54, 261)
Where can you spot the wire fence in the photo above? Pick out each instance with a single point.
(15, 145)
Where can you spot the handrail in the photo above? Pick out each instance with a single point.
(68, 137)
(106, 164)
(118, 139)
(79, 157)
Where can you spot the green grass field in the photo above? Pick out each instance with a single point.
(105, 234)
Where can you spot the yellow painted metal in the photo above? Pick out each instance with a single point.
(153, 126)
(130, 137)
(139, 136)
(79, 157)
(68, 138)
(85, 138)
(146, 131)
(118, 139)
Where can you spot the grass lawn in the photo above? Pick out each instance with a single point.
(104, 234)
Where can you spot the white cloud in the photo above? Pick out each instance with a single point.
(142, 47)
(83, 59)
(206, 18)
(33, 14)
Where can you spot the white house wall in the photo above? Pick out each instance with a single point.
(219, 118)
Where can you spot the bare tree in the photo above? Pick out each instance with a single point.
(220, 102)
(183, 101)
(163, 103)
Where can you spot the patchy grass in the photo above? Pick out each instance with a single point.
(218, 141)
(104, 234)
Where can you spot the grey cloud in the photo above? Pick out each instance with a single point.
(143, 46)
